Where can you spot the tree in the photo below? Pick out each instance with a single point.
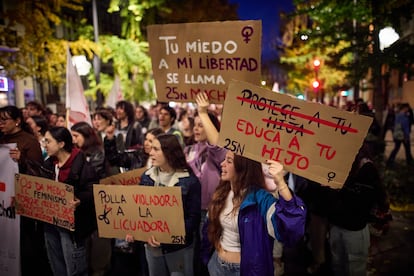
(354, 24)
(31, 30)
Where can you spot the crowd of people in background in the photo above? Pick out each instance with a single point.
(220, 190)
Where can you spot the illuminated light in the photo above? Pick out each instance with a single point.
(316, 63)
(315, 84)
(344, 93)
(300, 97)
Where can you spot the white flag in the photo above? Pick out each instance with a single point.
(115, 95)
(76, 104)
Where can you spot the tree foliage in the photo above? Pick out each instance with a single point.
(344, 34)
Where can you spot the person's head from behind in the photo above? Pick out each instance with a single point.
(167, 154)
(84, 136)
(149, 138)
(57, 140)
(125, 110)
(200, 134)
(166, 117)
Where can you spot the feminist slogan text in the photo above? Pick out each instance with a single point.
(203, 57)
(313, 140)
(140, 211)
(44, 199)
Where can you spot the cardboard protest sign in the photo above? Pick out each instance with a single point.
(44, 199)
(313, 140)
(132, 177)
(141, 211)
(190, 58)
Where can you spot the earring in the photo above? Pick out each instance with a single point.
(17, 125)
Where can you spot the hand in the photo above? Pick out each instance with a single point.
(153, 242)
(15, 154)
(110, 132)
(276, 171)
(129, 238)
(74, 203)
(202, 102)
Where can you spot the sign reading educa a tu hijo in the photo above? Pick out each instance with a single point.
(44, 199)
(190, 58)
(140, 211)
(312, 140)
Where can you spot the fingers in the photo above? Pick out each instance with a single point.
(153, 242)
(274, 167)
(129, 238)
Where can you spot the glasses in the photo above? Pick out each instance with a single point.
(3, 121)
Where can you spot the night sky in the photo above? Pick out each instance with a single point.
(268, 11)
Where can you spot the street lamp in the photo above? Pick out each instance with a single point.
(387, 37)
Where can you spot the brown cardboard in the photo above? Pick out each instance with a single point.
(310, 139)
(192, 57)
(132, 177)
(141, 211)
(44, 199)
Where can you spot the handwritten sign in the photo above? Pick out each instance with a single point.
(141, 211)
(44, 199)
(132, 177)
(313, 140)
(203, 57)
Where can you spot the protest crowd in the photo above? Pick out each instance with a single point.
(241, 217)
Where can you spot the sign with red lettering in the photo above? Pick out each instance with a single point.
(132, 177)
(310, 139)
(44, 199)
(140, 211)
(190, 58)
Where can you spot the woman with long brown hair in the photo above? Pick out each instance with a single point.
(244, 218)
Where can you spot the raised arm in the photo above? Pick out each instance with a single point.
(202, 106)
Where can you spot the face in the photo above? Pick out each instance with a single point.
(61, 121)
(157, 156)
(149, 138)
(51, 145)
(52, 119)
(101, 123)
(187, 130)
(199, 132)
(31, 110)
(8, 125)
(139, 113)
(164, 118)
(32, 125)
(228, 172)
(78, 139)
(120, 113)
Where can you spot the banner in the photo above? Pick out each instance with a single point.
(141, 211)
(203, 57)
(76, 104)
(10, 223)
(312, 140)
(115, 95)
(46, 200)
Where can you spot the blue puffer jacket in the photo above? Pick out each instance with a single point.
(262, 214)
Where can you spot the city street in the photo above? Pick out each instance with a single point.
(392, 254)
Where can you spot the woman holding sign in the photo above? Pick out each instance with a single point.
(169, 168)
(244, 219)
(67, 250)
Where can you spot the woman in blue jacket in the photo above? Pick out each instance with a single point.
(169, 168)
(244, 219)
